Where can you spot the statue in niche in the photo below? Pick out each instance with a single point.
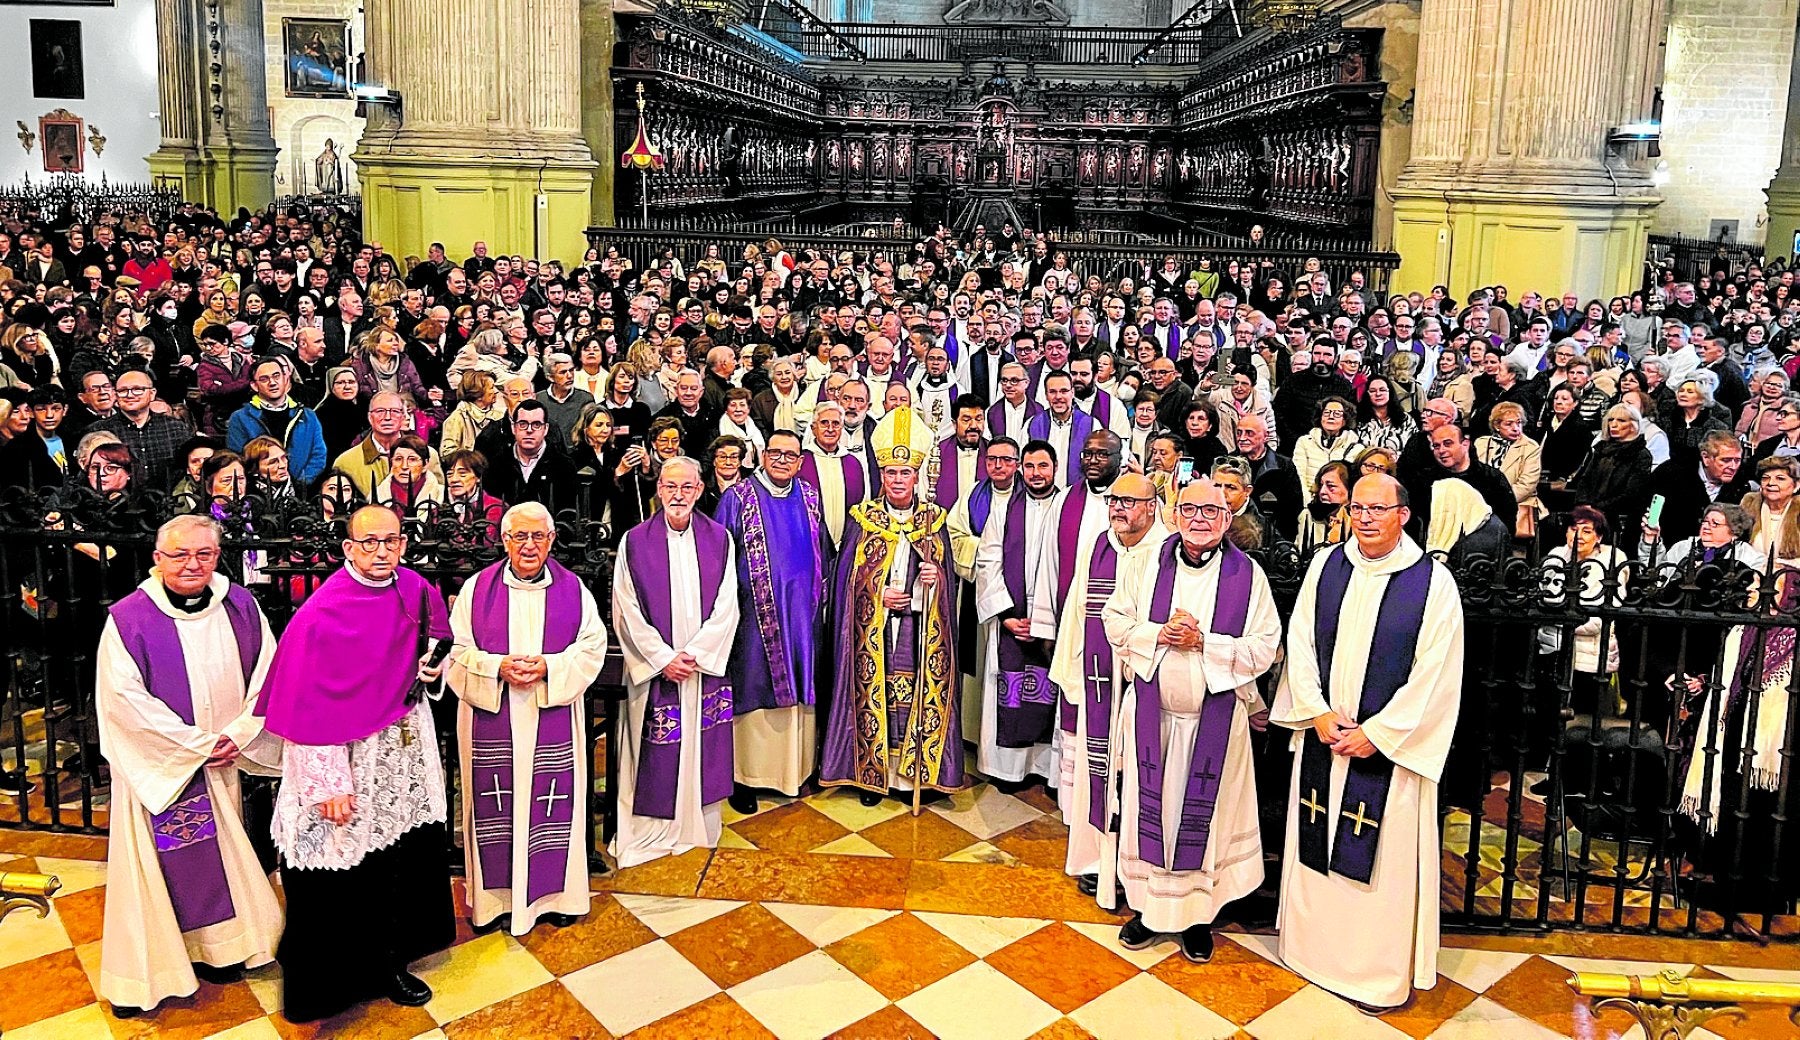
(1007, 12)
(328, 170)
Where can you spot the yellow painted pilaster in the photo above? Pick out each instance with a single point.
(411, 201)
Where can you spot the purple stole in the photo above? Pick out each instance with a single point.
(1027, 701)
(186, 834)
(1173, 350)
(981, 503)
(759, 572)
(1097, 678)
(946, 492)
(1068, 532)
(1081, 424)
(856, 483)
(553, 784)
(659, 756)
(1101, 408)
(996, 418)
(1231, 608)
(1396, 639)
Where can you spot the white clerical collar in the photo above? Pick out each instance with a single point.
(518, 581)
(363, 579)
(968, 451)
(762, 477)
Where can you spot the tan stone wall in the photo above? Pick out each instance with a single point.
(1725, 88)
(300, 126)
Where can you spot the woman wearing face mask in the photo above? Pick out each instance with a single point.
(173, 362)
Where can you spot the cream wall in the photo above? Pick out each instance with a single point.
(1399, 20)
(1725, 88)
(119, 60)
(300, 126)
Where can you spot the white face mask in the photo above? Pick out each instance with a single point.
(1126, 393)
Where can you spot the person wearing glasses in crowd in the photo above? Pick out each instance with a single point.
(1196, 626)
(1090, 677)
(675, 602)
(531, 470)
(368, 462)
(528, 643)
(1374, 676)
(777, 526)
(1785, 441)
(152, 436)
(361, 810)
(179, 666)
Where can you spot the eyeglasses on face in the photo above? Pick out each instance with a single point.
(684, 489)
(181, 557)
(1126, 501)
(391, 542)
(1190, 510)
(1369, 510)
(530, 425)
(529, 537)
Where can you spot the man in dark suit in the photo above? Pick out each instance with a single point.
(1274, 482)
(1715, 357)
(1687, 489)
(531, 471)
(44, 268)
(345, 327)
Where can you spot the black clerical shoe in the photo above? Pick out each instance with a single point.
(121, 1011)
(558, 920)
(408, 990)
(219, 976)
(597, 864)
(870, 799)
(1136, 935)
(743, 800)
(503, 923)
(14, 780)
(1197, 943)
(1087, 884)
(1377, 1010)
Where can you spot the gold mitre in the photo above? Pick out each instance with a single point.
(902, 438)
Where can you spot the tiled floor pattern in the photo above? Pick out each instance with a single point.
(821, 918)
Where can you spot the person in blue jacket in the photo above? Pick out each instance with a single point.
(273, 413)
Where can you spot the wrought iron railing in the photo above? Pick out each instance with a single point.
(1563, 802)
(1042, 44)
(69, 198)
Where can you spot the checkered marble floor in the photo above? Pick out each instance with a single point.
(818, 918)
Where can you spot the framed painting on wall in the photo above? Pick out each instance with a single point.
(60, 134)
(316, 53)
(56, 59)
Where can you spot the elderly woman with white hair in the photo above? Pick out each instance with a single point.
(1615, 479)
(487, 351)
(1760, 418)
(1695, 413)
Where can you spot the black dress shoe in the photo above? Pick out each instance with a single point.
(219, 976)
(1375, 1010)
(1136, 935)
(870, 799)
(558, 920)
(597, 864)
(1087, 884)
(1197, 943)
(121, 1011)
(408, 990)
(743, 801)
(503, 923)
(13, 780)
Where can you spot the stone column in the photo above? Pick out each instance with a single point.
(180, 96)
(1511, 179)
(599, 34)
(1784, 190)
(486, 142)
(214, 103)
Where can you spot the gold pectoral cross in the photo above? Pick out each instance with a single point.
(1360, 820)
(1311, 803)
(406, 733)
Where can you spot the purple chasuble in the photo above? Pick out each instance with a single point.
(1027, 701)
(781, 588)
(1231, 608)
(1391, 651)
(553, 784)
(186, 834)
(646, 548)
(996, 418)
(856, 484)
(1097, 678)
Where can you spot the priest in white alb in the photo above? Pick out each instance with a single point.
(1018, 705)
(528, 644)
(176, 671)
(1372, 688)
(833, 470)
(966, 524)
(1196, 625)
(675, 607)
(1089, 676)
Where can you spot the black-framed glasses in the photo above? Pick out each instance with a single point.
(1126, 501)
(1190, 510)
(1370, 509)
(780, 454)
(372, 543)
(1096, 453)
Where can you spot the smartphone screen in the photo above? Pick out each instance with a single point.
(1184, 472)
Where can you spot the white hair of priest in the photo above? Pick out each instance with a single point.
(683, 460)
(527, 511)
(185, 524)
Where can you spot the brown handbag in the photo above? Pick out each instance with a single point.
(1525, 527)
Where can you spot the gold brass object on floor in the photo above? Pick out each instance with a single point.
(1670, 1006)
(19, 890)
